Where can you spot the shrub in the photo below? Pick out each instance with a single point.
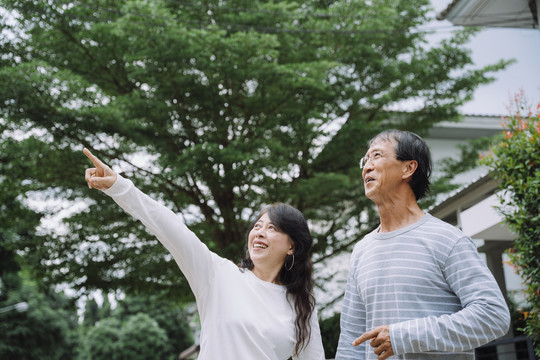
(515, 161)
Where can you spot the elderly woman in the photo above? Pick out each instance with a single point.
(262, 308)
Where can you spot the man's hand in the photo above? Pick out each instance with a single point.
(101, 177)
(380, 340)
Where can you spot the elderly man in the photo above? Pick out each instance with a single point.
(417, 288)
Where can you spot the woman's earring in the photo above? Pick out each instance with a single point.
(292, 264)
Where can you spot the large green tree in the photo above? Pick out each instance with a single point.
(213, 108)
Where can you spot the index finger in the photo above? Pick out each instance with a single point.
(365, 336)
(95, 160)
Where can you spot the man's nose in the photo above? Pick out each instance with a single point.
(368, 167)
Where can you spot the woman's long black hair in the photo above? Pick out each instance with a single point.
(298, 280)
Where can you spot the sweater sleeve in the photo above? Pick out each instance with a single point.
(353, 318)
(483, 318)
(192, 256)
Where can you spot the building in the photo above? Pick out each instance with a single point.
(493, 13)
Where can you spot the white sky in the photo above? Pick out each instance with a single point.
(491, 45)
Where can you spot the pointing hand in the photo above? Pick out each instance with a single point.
(100, 177)
(380, 341)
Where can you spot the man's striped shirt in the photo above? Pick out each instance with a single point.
(428, 282)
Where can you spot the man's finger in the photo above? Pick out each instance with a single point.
(386, 353)
(365, 336)
(95, 160)
(382, 349)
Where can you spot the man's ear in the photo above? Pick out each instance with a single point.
(409, 167)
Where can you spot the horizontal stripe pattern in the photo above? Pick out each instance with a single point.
(429, 283)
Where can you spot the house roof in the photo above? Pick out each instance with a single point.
(470, 127)
(464, 197)
(442, 14)
(492, 13)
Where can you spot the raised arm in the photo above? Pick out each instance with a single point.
(191, 255)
